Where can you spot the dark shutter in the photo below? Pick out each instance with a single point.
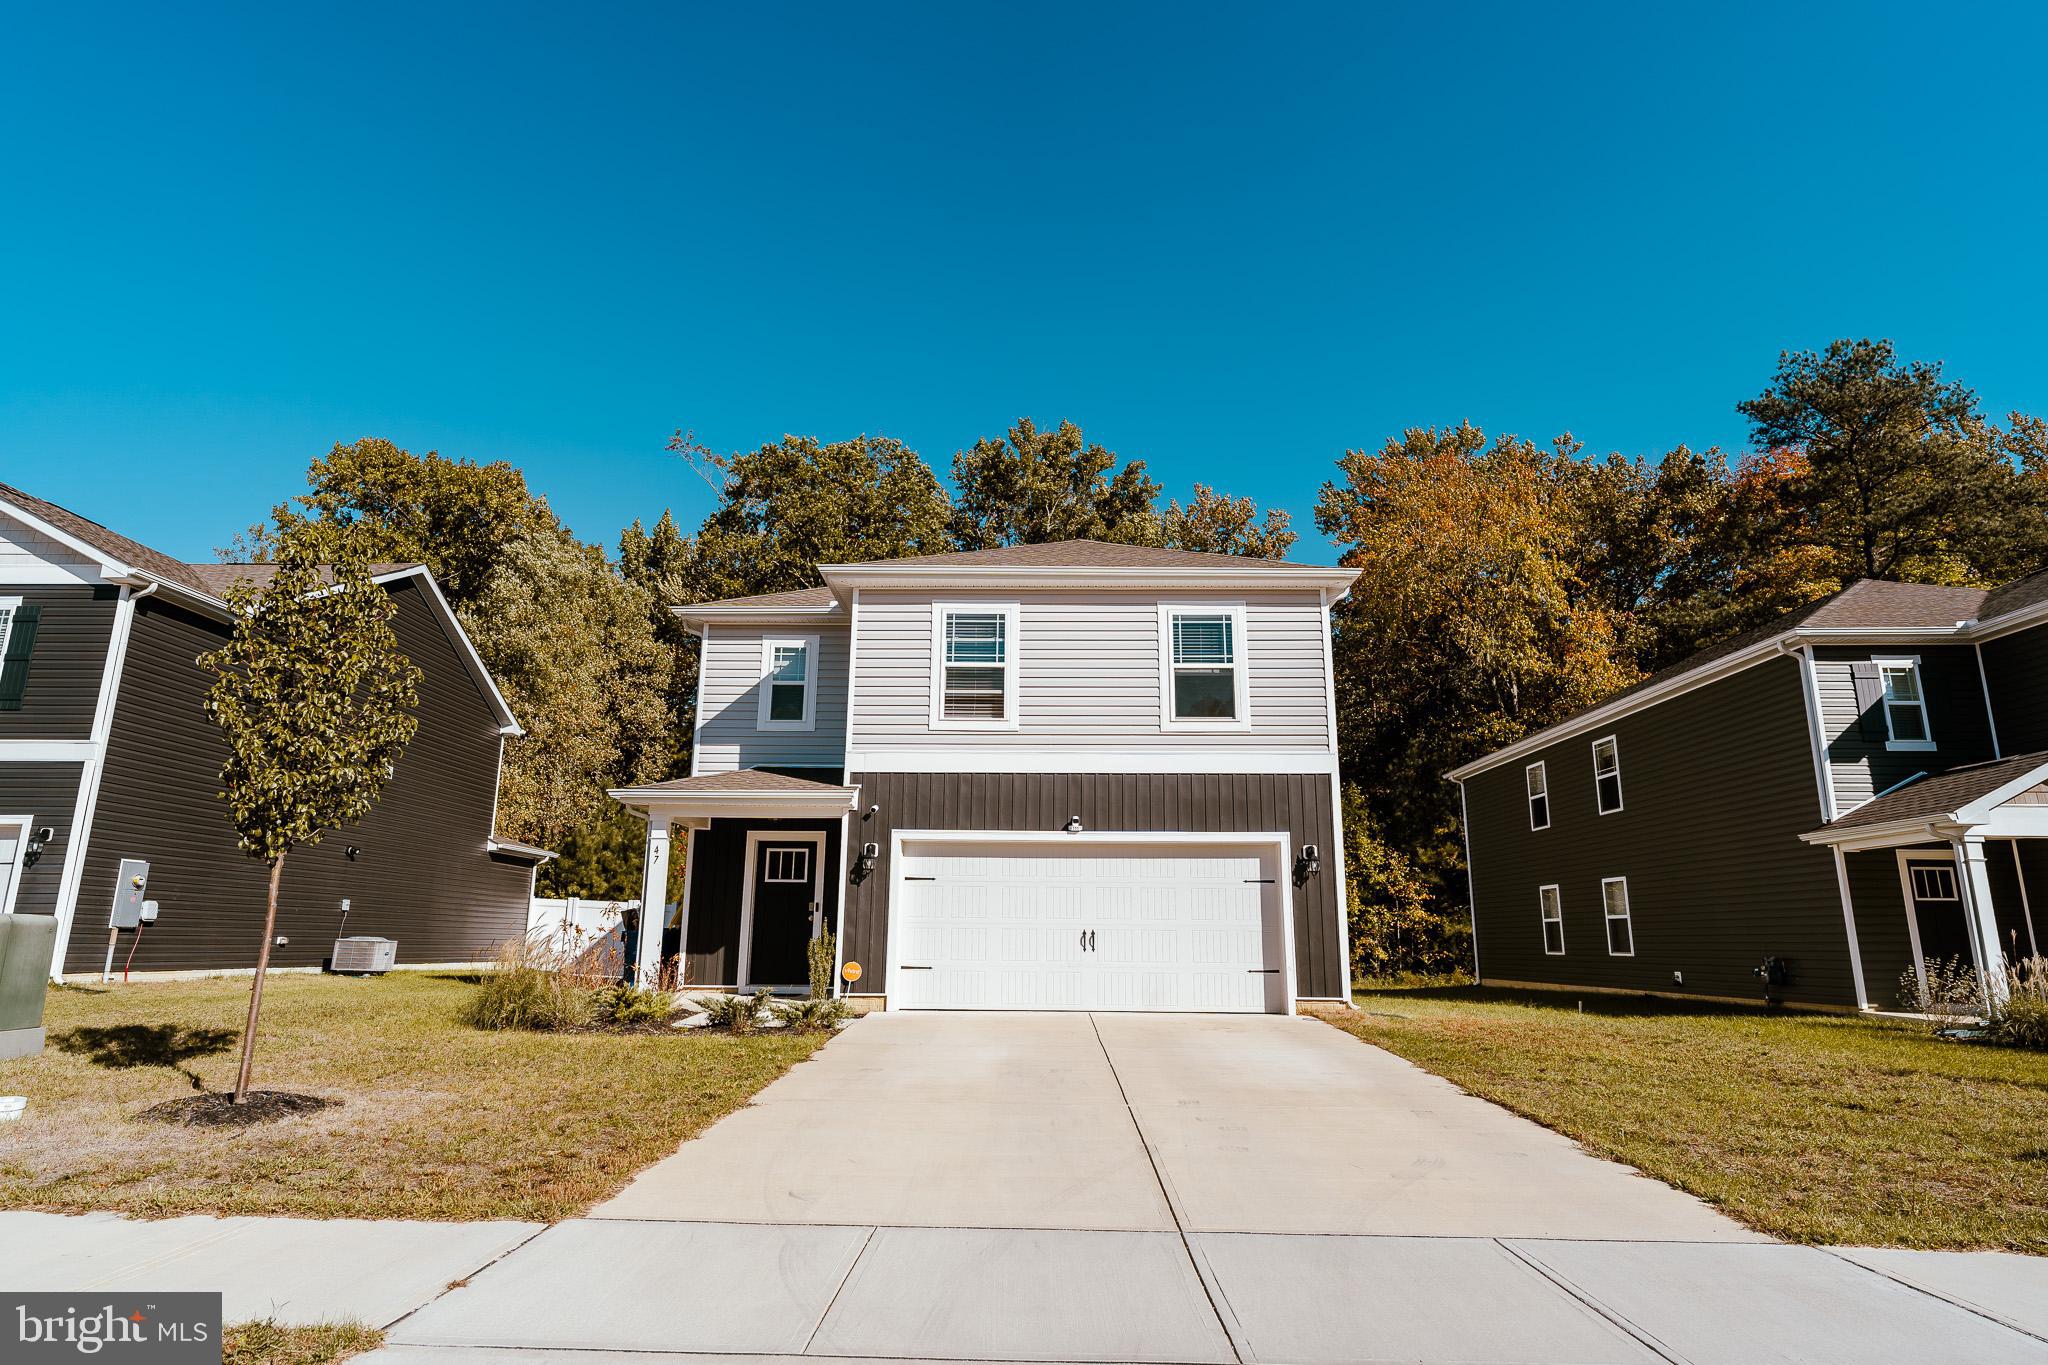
(14, 667)
(1869, 699)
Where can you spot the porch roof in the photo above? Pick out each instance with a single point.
(746, 791)
(1969, 801)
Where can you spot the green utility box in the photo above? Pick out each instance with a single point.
(26, 942)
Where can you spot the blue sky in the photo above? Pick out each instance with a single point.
(1233, 242)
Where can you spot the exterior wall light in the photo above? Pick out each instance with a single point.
(1307, 864)
(1074, 825)
(865, 863)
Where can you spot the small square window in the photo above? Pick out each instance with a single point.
(1538, 779)
(788, 865)
(1934, 882)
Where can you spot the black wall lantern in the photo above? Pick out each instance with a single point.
(864, 865)
(1307, 863)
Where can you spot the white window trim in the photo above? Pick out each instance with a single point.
(1542, 773)
(1619, 804)
(769, 644)
(9, 605)
(1909, 661)
(11, 873)
(1627, 915)
(1240, 667)
(1012, 665)
(1544, 918)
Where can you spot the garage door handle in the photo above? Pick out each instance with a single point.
(1091, 940)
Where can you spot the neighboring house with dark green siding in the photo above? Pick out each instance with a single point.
(1806, 813)
(106, 754)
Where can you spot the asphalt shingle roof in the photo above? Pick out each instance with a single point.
(110, 543)
(743, 780)
(1942, 794)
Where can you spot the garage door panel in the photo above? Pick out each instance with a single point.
(1122, 927)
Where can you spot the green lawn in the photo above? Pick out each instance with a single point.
(437, 1119)
(1815, 1128)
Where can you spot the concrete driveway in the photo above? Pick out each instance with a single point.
(1177, 1189)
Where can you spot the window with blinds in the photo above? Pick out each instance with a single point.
(977, 661)
(1204, 666)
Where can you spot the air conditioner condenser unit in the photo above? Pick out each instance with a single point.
(365, 954)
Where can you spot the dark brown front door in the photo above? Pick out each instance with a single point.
(1938, 911)
(785, 880)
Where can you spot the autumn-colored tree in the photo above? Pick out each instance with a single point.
(1032, 486)
(572, 645)
(315, 700)
(1467, 627)
(659, 562)
(1397, 925)
(799, 502)
(1220, 524)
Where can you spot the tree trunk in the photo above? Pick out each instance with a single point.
(256, 986)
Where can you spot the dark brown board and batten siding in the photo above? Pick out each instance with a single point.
(718, 869)
(1717, 784)
(65, 663)
(2016, 667)
(1219, 803)
(423, 876)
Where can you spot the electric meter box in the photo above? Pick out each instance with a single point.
(129, 891)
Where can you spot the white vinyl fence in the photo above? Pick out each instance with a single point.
(574, 923)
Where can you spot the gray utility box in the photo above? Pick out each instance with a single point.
(365, 954)
(26, 942)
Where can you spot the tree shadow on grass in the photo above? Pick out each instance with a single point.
(124, 1046)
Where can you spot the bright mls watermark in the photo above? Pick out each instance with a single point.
(163, 1329)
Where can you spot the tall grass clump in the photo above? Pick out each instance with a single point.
(534, 983)
(2022, 1020)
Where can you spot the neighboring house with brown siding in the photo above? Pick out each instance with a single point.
(1068, 776)
(105, 744)
(1845, 793)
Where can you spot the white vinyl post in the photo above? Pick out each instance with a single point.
(653, 902)
(1983, 919)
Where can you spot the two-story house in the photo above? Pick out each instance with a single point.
(107, 757)
(1847, 792)
(1065, 776)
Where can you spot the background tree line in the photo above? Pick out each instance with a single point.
(1503, 583)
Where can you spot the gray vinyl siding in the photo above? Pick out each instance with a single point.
(718, 871)
(47, 793)
(1861, 767)
(65, 666)
(423, 877)
(1151, 802)
(2016, 667)
(730, 736)
(1090, 672)
(1718, 784)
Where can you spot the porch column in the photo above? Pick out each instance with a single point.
(653, 902)
(1982, 918)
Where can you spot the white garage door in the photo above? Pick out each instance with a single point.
(1088, 926)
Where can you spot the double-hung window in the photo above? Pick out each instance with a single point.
(1621, 936)
(975, 683)
(1607, 775)
(789, 684)
(1905, 705)
(1552, 906)
(17, 639)
(1538, 778)
(1202, 648)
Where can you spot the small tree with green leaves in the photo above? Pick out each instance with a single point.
(316, 701)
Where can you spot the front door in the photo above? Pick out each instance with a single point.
(1938, 911)
(784, 893)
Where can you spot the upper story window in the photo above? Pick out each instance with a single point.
(974, 686)
(1905, 705)
(1607, 775)
(1621, 934)
(789, 692)
(1538, 779)
(1552, 906)
(1202, 650)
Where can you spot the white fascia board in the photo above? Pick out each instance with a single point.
(1267, 574)
(694, 619)
(709, 804)
(508, 724)
(1920, 829)
(48, 750)
(1163, 759)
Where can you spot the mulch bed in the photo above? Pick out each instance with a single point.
(221, 1111)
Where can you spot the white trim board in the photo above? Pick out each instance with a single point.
(763, 720)
(743, 968)
(10, 873)
(1182, 757)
